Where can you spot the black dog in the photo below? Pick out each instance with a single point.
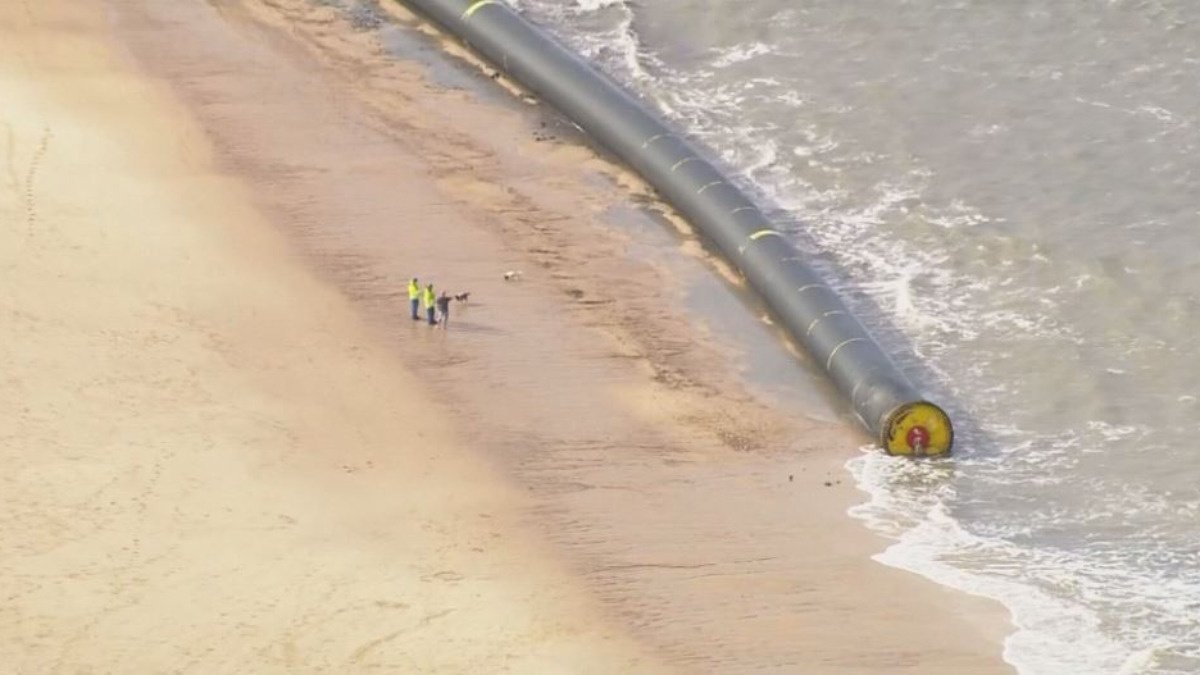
(462, 297)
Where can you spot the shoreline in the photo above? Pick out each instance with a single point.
(368, 170)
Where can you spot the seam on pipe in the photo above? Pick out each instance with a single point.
(743, 208)
(715, 182)
(653, 138)
(809, 287)
(475, 7)
(861, 381)
(683, 161)
(766, 232)
(755, 237)
(854, 391)
(829, 361)
(821, 318)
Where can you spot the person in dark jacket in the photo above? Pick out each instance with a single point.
(443, 306)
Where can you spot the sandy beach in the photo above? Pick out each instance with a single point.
(229, 449)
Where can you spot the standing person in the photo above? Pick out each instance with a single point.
(443, 305)
(414, 297)
(430, 304)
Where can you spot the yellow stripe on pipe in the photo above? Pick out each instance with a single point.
(829, 361)
(765, 233)
(755, 237)
(683, 161)
(854, 391)
(653, 138)
(819, 319)
(475, 7)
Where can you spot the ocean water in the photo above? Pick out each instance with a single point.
(1009, 195)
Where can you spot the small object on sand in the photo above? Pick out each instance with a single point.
(462, 297)
(512, 275)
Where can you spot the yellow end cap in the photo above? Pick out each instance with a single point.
(919, 430)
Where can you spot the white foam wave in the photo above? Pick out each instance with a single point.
(1115, 602)
(739, 53)
(593, 5)
(1052, 636)
(612, 43)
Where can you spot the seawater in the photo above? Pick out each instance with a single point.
(1009, 195)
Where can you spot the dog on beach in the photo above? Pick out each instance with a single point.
(462, 297)
(512, 275)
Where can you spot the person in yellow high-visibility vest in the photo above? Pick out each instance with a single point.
(414, 297)
(430, 304)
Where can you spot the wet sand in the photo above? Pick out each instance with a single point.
(233, 450)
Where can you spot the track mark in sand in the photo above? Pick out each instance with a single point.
(367, 647)
(24, 187)
(360, 653)
(449, 576)
(652, 566)
(39, 154)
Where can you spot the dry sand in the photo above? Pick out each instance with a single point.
(227, 448)
(210, 465)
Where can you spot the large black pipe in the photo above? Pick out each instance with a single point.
(886, 402)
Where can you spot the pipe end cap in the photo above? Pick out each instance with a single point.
(918, 429)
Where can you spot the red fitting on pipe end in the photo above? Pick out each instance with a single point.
(917, 438)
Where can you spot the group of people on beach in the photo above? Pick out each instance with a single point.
(437, 307)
